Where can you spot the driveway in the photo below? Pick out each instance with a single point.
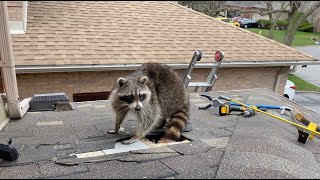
(309, 100)
(311, 73)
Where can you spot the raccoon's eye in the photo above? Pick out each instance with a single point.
(142, 97)
(128, 99)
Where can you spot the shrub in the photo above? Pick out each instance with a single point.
(264, 24)
(282, 24)
(305, 26)
(306, 29)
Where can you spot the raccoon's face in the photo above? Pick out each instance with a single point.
(133, 92)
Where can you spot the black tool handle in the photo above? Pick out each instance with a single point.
(210, 98)
(206, 107)
(236, 108)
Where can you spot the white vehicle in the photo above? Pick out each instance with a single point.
(289, 90)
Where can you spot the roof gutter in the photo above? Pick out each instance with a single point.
(112, 67)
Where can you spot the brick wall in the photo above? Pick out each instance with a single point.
(68, 82)
(84, 82)
(244, 78)
(15, 10)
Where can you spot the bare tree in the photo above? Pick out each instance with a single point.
(296, 15)
(211, 8)
(274, 17)
(297, 11)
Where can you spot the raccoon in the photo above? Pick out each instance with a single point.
(64, 106)
(155, 93)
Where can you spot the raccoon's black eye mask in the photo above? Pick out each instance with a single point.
(128, 99)
(142, 97)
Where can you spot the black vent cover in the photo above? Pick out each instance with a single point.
(46, 102)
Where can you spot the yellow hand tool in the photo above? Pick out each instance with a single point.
(303, 136)
(226, 109)
(300, 117)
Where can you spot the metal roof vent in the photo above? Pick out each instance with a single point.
(47, 102)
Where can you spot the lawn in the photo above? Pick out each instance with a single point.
(302, 85)
(300, 39)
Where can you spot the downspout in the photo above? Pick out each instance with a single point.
(293, 69)
(279, 73)
(24, 15)
(7, 63)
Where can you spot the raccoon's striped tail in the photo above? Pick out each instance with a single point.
(176, 124)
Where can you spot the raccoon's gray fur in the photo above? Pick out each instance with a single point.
(157, 96)
(64, 106)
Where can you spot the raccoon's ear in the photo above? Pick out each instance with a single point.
(122, 81)
(143, 80)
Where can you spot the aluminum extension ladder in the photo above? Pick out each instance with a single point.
(206, 86)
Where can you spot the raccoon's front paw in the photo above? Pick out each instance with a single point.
(130, 141)
(121, 129)
(112, 132)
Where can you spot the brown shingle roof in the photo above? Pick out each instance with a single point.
(119, 32)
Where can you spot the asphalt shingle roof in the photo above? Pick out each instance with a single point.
(119, 32)
(221, 147)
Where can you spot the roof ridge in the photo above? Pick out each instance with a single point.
(245, 31)
(202, 14)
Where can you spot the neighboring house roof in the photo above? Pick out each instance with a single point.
(119, 32)
(257, 4)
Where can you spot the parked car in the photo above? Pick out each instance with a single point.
(289, 90)
(229, 21)
(248, 23)
(236, 19)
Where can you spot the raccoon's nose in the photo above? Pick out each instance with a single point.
(138, 108)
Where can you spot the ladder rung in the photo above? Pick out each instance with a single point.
(199, 84)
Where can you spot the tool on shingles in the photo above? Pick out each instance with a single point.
(213, 102)
(206, 86)
(226, 108)
(312, 128)
(266, 107)
(8, 153)
(303, 136)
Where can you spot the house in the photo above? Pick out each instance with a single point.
(315, 19)
(254, 6)
(260, 6)
(81, 48)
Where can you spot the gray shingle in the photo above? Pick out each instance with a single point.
(115, 169)
(54, 170)
(20, 172)
(237, 164)
(195, 166)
